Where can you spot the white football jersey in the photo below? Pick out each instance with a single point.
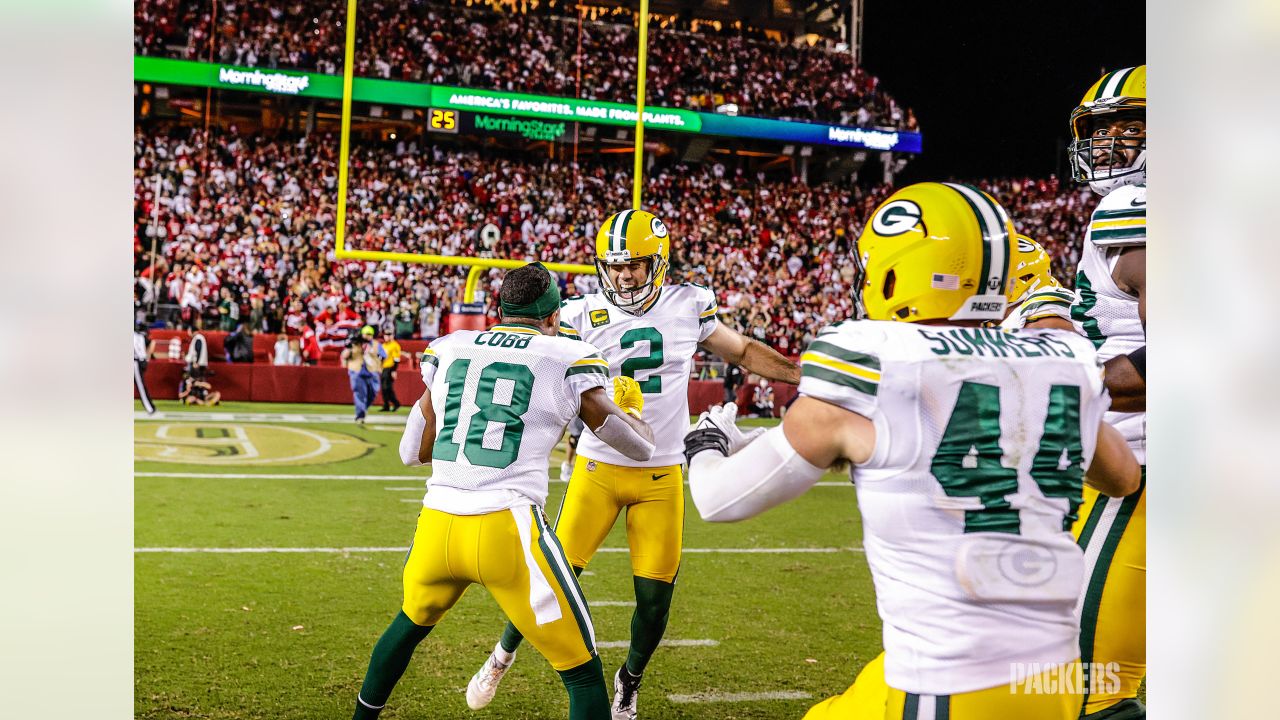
(656, 349)
(1043, 303)
(502, 398)
(1102, 312)
(982, 441)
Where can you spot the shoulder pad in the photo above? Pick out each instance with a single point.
(838, 368)
(565, 300)
(1121, 218)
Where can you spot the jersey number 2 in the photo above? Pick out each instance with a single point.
(651, 385)
(970, 463)
(487, 411)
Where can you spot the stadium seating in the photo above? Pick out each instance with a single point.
(775, 251)
(471, 45)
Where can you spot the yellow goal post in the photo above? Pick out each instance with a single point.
(476, 264)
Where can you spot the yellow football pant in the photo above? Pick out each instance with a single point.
(451, 552)
(864, 700)
(1113, 611)
(654, 499)
(871, 699)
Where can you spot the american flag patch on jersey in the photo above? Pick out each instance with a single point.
(942, 281)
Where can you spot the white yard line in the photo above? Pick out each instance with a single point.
(346, 419)
(611, 603)
(740, 697)
(613, 644)
(264, 550)
(282, 476)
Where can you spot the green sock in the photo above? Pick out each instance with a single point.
(390, 658)
(511, 637)
(653, 606)
(588, 697)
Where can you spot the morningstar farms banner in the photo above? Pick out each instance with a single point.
(494, 102)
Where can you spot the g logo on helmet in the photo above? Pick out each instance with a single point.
(659, 229)
(1025, 247)
(897, 217)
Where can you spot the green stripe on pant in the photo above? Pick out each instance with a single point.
(1096, 582)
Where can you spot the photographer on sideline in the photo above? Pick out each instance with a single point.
(363, 359)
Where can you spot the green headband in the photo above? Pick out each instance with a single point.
(546, 304)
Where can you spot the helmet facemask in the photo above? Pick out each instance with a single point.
(1100, 160)
(859, 284)
(634, 300)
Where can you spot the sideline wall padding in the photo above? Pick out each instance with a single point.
(260, 382)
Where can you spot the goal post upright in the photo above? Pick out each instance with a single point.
(641, 64)
(339, 238)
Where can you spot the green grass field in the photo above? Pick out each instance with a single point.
(284, 628)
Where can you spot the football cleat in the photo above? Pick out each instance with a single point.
(625, 689)
(484, 684)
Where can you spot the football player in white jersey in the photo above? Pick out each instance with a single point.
(1037, 299)
(969, 445)
(496, 404)
(1108, 151)
(648, 331)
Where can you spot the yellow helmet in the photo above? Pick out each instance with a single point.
(629, 236)
(1032, 270)
(935, 251)
(1118, 95)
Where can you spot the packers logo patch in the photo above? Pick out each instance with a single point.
(898, 217)
(599, 317)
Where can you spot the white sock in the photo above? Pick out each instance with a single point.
(502, 655)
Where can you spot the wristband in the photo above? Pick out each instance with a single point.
(1139, 359)
(707, 438)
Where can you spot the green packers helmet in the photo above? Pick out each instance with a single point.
(935, 251)
(630, 236)
(1119, 95)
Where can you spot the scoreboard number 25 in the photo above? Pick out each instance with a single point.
(445, 121)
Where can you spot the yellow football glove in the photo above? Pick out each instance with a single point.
(627, 395)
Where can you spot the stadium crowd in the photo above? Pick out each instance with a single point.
(244, 232)
(476, 46)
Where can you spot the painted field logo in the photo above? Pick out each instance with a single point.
(230, 444)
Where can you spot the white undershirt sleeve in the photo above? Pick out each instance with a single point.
(621, 437)
(411, 441)
(765, 473)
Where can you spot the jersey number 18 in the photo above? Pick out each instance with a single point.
(487, 411)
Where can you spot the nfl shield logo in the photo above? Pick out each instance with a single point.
(591, 466)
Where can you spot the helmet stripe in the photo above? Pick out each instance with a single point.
(1000, 259)
(1102, 85)
(622, 235)
(1114, 87)
(617, 234)
(995, 238)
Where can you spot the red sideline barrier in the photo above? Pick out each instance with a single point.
(260, 382)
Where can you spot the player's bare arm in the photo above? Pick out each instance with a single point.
(752, 355)
(623, 431)
(1126, 374)
(1114, 471)
(1050, 323)
(825, 434)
